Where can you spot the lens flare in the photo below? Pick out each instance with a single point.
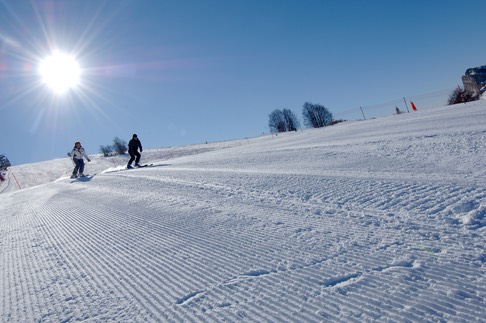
(60, 72)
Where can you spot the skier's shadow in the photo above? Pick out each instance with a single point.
(83, 179)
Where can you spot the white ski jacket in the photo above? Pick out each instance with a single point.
(79, 154)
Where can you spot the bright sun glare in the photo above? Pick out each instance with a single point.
(60, 72)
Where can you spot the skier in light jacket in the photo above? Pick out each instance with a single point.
(77, 155)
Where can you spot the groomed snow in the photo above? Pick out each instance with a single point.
(378, 220)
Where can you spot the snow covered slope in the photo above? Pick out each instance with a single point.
(377, 220)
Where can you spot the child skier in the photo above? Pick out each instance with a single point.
(133, 145)
(77, 155)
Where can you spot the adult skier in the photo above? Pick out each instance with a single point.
(77, 155)
(133, 145)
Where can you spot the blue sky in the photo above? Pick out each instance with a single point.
(185, 72)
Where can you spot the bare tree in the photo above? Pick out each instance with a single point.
(291, 121)
(460, 96)
(316, 115)
(120, 146)
(283, 120)
(106, 150)
(276, 121)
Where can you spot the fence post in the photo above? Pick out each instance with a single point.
(362, 112)
(15, 179)
(406, 105)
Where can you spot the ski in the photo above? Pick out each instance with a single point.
(141, 166)
(146, 165)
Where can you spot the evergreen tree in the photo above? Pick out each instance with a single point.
(4, 162)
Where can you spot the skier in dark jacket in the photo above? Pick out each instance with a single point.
(133, 145)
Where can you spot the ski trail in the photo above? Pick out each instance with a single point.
(203, 187)
(241, 247)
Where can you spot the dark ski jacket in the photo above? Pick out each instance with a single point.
(134, 144)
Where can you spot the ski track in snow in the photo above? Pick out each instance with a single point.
(195, 241)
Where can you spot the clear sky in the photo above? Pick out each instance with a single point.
(190, 71)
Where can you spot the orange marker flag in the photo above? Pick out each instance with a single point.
(414, 108)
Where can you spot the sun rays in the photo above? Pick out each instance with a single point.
(49, 68)
(60, 72)
(69, 66)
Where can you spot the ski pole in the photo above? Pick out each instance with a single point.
(72, 161)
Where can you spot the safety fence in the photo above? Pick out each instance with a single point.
(398, 105)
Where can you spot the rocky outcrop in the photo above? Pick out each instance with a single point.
(474, 79)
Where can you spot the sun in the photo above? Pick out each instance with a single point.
(60, 72)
